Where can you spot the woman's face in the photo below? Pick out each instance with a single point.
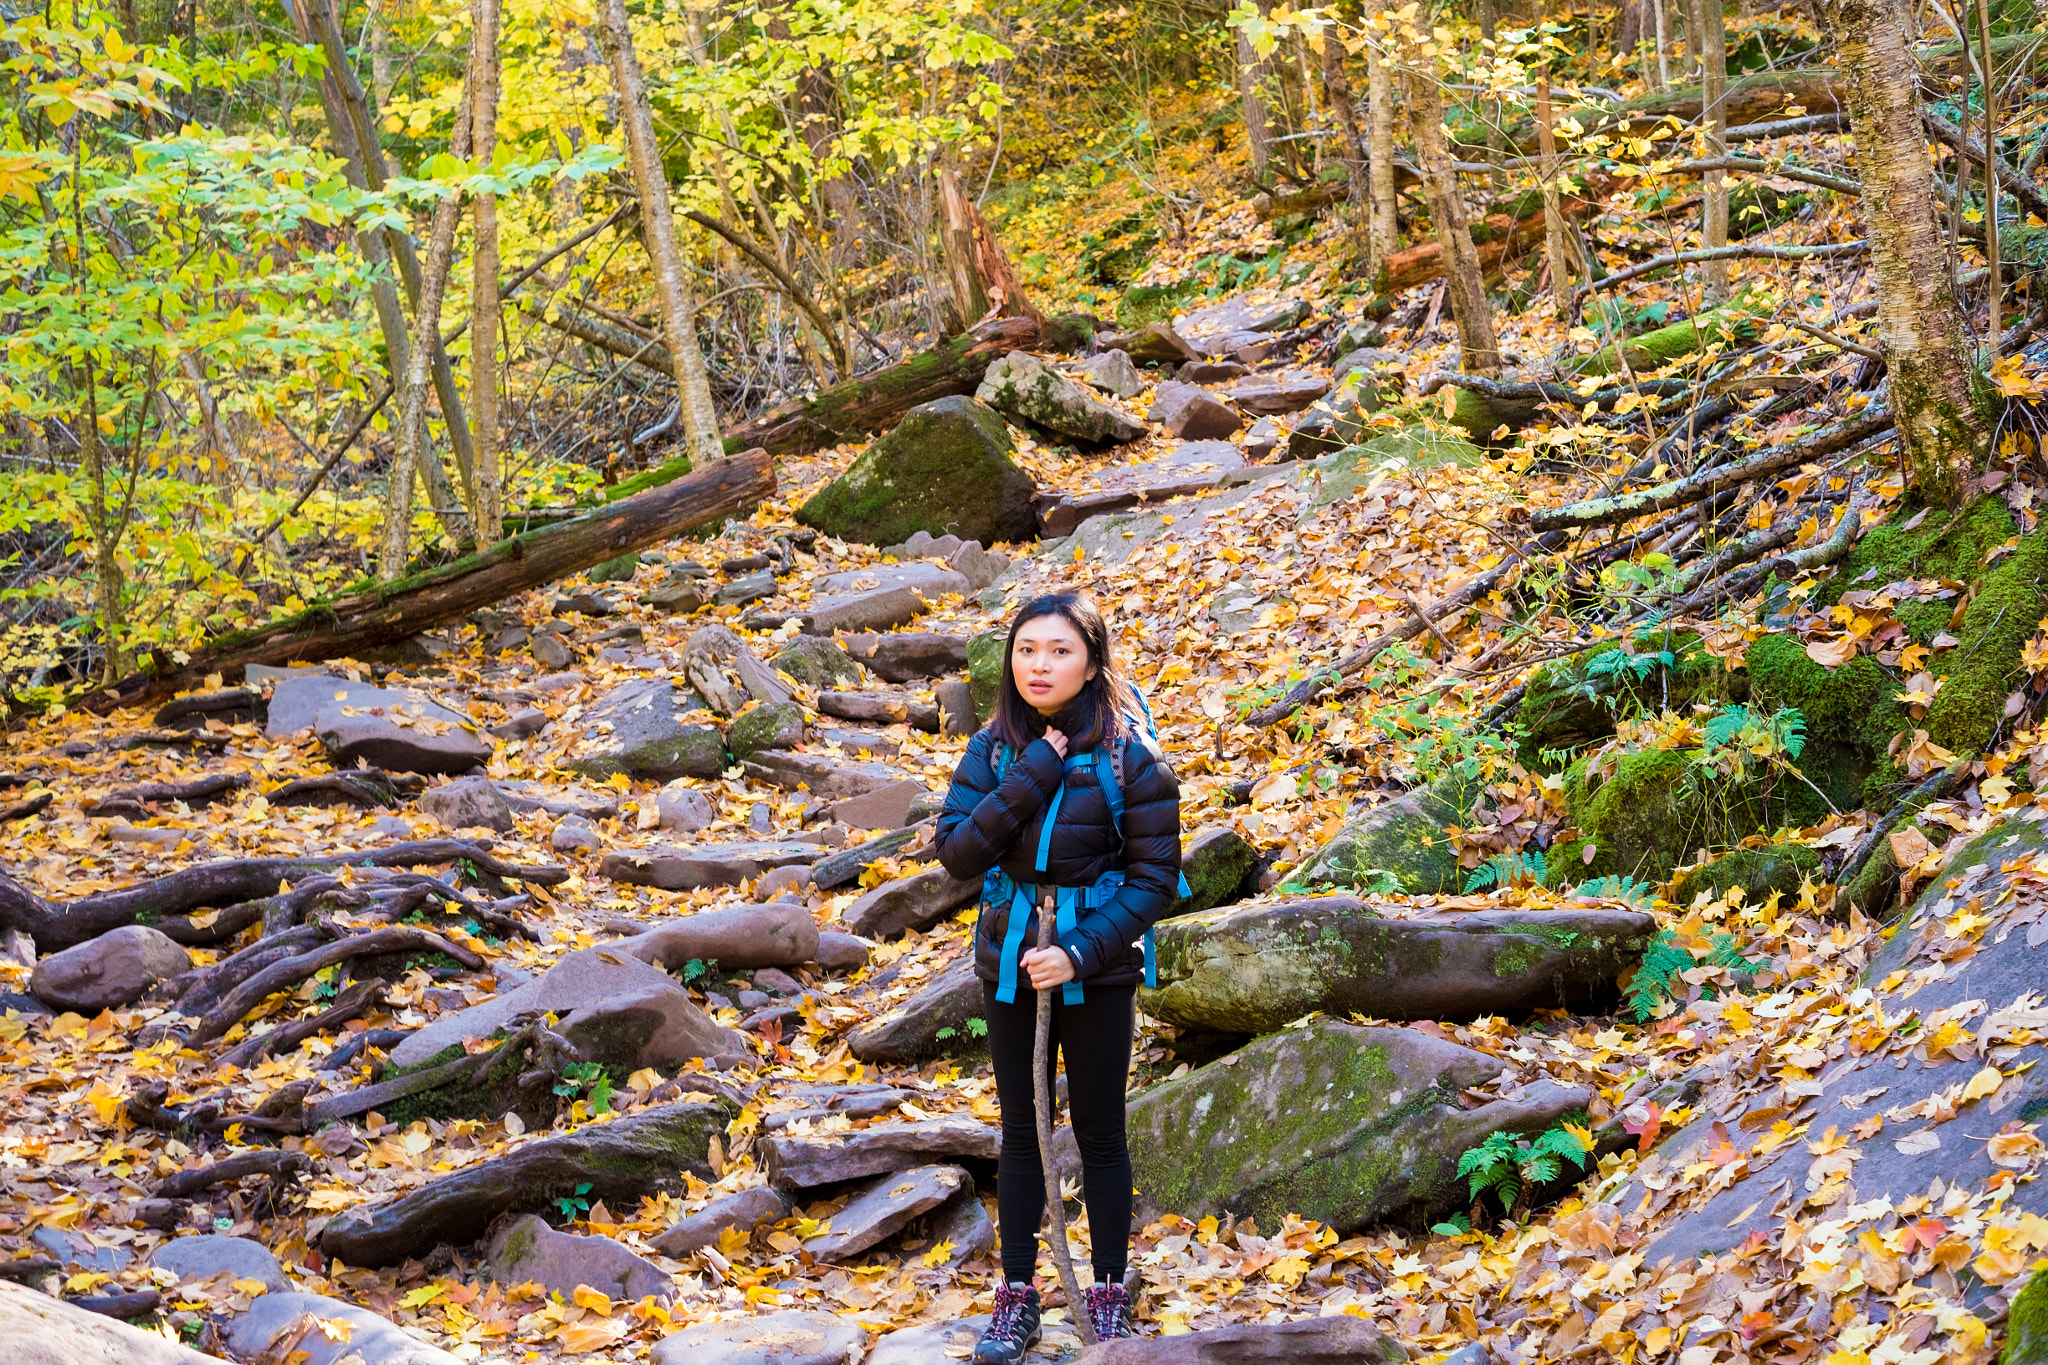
(1049, 660)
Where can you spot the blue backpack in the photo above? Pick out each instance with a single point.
(999, 888)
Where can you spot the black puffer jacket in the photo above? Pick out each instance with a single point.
(985, 824)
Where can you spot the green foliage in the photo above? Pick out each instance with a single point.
(1507, 869)
(697, 967)
(1656, 989)
(1456, 1225)
(572, 1205)
(1620, 886)
(1506, 1166)
(587, 1076)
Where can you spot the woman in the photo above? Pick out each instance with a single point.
(1033, 808)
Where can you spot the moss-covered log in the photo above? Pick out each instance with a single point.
(370, 614)
(1498, 237)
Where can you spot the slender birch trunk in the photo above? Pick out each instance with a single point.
(1480, 350)
(1714, 224)
(657, 222)
(1337, 89)
(1554, 241)
(1382, 226)
(486, 499)
(1917, 312)
(1251, 74)
(1496, 136)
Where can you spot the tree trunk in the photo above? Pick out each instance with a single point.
(1337, 90)
(1555, 248)
(372, 614)
(1383, 231)
(486, 499)
(657, 222)
(1496, 136)
(1251, 74)
(1714, 91)
(1917, 313)
(1663, 44)
(983, 281)
(1479, 350)
(380, 56)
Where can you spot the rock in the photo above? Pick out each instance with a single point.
(791, 1337)
(1349, 1126)
(356, 721)
(1361, 333)
(963, 1221)
(684, 808)
(846, 864)
(1253, 311)
(557, 682)
(526, 1248)
(1989, 994)
(1210, 372)
(2026, 1326)
(829, 1158)
(79, 1252)
(816, 663)
(1215, 862)
(839, 952)
(866, 1100)
(738, 937)
(1335, 424)
(945, 1342)
(918, 902)
(42, 1330)
(979, 567)
(1256, 967)
(905, 656)
(946, 467)
(621, 1161)
(637, 729)
(1262, 440)
(1154, 344)
(700, 865)
(208, 1255)
(819, 773)
(548, 651)
(875, 609)
(745, 1210)
(469, 803)
(616, 570)
(985, 670)
(391, 827)
(782, 883)
(865, 744)
(681, 597)
(884, 1206)
(883, 808)
(928, 581)
(1400, 843)
(668, 1027)
(585, 603)
(1112, 372)
(521, 724)
(654, 1025)
(1366, 360)
(751, 588)
(955, 704)
(360, 1337)
(774, 725)
(881, 708)
(1338, 1339)
(1189, 412)
(114, 969)
(1023, 387)
(911, 1031)
(1760, 872)
(1287, 391)
(573, 834)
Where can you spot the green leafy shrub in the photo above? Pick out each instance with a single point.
(1507, 1167)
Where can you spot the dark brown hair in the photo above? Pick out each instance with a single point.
(1093, 716)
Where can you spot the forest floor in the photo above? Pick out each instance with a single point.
(1567, 1280)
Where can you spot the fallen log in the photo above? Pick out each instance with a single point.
(1498, 238)
(275, 1164)
(56, 925)
(371, 614)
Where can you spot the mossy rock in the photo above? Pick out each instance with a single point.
(1655, 349)
(1215, 863)
(1337, 476)
(2026, 1324)
(617, 570)
(1853, 713)
(1656, 810)
(946, 468)
(817, 662)
(1396, 845)
(1760, 872)
(1574, 703)
(985, 671)
(776, 725)
(1141, 305)
(494, 1093)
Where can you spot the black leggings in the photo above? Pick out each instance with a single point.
(1095, 1039)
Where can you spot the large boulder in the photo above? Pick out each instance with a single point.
(469, 803)
(356, 1335)
(1215, 862)
(915, 902)
(1255, 968)
(210, 1255)
(638, 729)
(1397, 845)
(1965, 964)
(112, 970)
(526, 1249)
(934, 1021)
(695, 866)
(397, 731)
(42, 1330)
(817, 663)
(985, 670)
(1349, 1126)
(946, 467)
(1022, 386)
(775, 725)
(639, 1154)
(604, 978)
(737, 938)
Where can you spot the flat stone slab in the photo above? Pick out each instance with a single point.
(401, 732)
(928, 581)
(1155, 343)
(884, 1206)
(821, 774)
(210, 1255)
(607, 977)
(700, 865)
(883, 808)
(918, 902)
(882, 708)
(42, 1330)
(363, 1336)
(526, 1248)
(1251, 311)
(638, 729)
(620, 1161)
(1287, 391)
(807, 1162)
(1339, 1339)
(910, 1032)
(787, 1338)
(1195, 467)
(874, 609)
(907, 655)
(1256, 967)
(746, 1210)
(738, 938)
(863, 1101)
(1346, 1125)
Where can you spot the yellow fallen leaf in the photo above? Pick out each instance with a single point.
(590, 1335)
(425, 1294)
(84, 1280)
(597, 1302)
(1985, 1083)
(253, 1288)
(938, 1254)
(2013, 1151)
(1831, 653)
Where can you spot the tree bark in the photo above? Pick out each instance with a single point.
(983, 281)
(486, 499)
(1917, 312)
(1714, 88)
(373, 614)
(1496, 136)
(1479, 350)
(1555, 246)
(1337, 91)
(1382, 227)
(1251, 74)
(678, 309)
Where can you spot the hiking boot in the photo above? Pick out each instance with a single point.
(1109, 1308)
(1013, 1330)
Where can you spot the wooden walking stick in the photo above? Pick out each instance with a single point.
(1041, 1099)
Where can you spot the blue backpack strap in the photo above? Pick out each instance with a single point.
(1013, 944)
(1112, 790)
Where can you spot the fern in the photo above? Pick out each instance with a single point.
(1653, 986)
(1618, 886)
(1507, 869)
(1506, 1166)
